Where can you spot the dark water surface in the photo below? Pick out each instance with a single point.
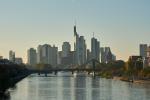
(63, 87)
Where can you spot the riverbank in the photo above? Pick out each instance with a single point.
(135, 81)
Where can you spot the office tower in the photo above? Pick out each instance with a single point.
(53, 58)
(102, 50)
(79, 48)
(39, 54)
(12, 56)
(88, 55)
(95, 49)
(106, 55)
(18, 60)
(47, 54)
(59, 57)
(66, 48)
(143, 50)
(32, 56)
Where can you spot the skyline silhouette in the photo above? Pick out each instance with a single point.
(122, 25)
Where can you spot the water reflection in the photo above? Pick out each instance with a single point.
(80, 88)
(62, 87)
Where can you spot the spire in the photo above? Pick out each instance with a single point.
(75, 31)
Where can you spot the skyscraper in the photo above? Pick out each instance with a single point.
(102, 50)
(143, 50)
(95, 49)
(47, 54)
(88, 55)
(12, 56)
(53, 58)
(106, 55)
(66, 48)
(79, 48)
(32, 56)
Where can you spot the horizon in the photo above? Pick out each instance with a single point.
(120, 25)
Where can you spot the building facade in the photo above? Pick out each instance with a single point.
(47, 54)
(95, 49)
(11, 56)
(143, 50)
(32, 56)
(79, 48)
(66, 48)
(106, 55)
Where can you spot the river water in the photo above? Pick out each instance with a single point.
(65, 86)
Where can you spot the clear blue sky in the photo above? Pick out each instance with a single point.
(120, 24)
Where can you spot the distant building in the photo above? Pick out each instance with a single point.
(18, 60)
(54, 55)
(59, 57)
(134, 61)
(134, 58)
(143, 50)
(39, 54)
(102, 50)
(106, 55)
(32, 56)
(66, 48)
(79, 48)
(1, 57)
(47, 54)
(11, 56)
(88, 55)
(147, 59)
(95, 49)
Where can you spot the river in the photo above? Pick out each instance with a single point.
(65, 86)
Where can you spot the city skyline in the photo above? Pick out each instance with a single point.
(122, 25)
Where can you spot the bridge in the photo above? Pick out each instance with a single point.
(11, 73)
(79, 69)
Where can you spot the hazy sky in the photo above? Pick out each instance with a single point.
(120, 24)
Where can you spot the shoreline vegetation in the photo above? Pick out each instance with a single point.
(10, 74)
(125, 71)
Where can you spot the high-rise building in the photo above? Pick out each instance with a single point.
(95, 49)
(47, 54)
(12, 56)
(32, 56)
(59, 57)
(88, 55)
(79, 48)
(106, 55)
(53, 58)
(39, 54)
(143, 50)
(66, 48)
(102, 50)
